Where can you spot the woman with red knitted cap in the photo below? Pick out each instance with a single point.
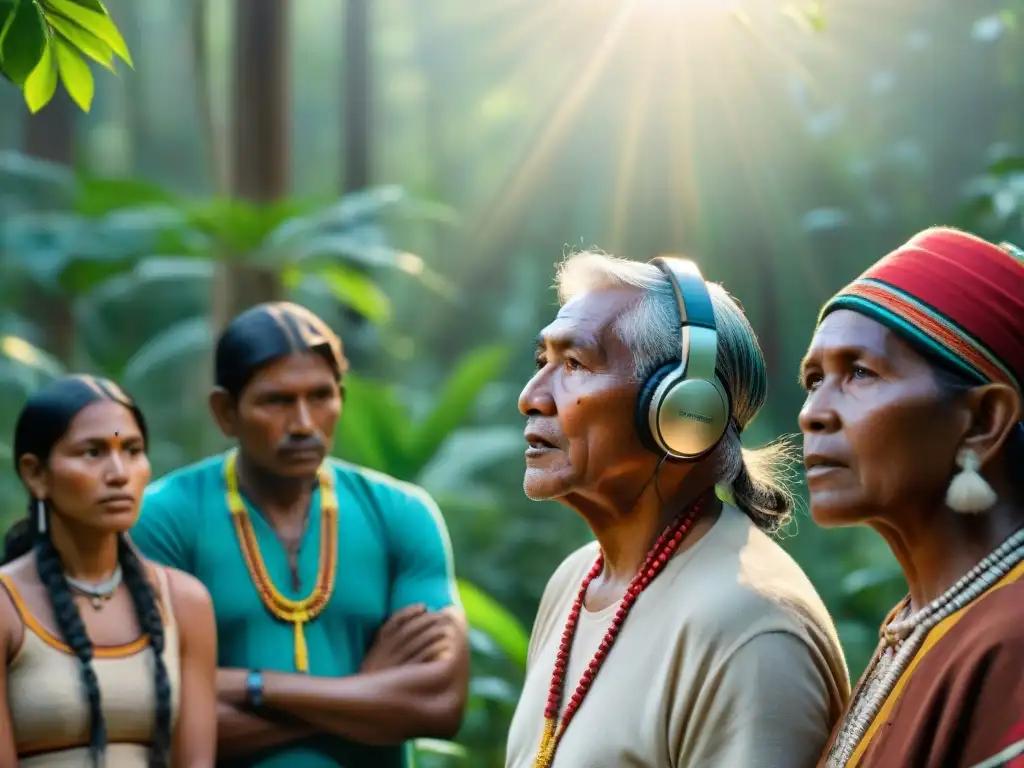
(912, 426)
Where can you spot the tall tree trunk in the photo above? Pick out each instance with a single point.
(50, 135)
(260, 162)
(357, 118)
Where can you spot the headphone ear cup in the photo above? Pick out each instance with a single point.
(645, 402)
(694, 416)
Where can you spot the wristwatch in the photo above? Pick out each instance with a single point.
(254, 689)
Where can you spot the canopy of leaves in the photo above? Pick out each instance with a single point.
(43, 41)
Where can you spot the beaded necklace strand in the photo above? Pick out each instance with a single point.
(659, 554)
(902, 638)
(295, 612)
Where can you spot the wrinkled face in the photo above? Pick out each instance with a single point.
(285, 417)
(97, 472)
(580, 404)
(879, 437)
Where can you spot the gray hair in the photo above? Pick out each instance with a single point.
(756, 478)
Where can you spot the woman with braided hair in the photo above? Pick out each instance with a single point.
(912, 426)
(101, 646)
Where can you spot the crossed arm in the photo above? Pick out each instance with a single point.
(415, 677)
(413, 683)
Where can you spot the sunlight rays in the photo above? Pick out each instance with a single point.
(636, 117)
(693, 89)
(558, 125)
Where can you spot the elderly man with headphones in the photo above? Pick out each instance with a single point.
(684, 636)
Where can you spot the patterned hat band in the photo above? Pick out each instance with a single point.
(954, 295)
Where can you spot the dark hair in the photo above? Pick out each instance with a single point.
(43, 421)
(953, 382)
(267, 332)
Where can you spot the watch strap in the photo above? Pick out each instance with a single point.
(254, 689)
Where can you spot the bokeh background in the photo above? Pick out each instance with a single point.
(413, 169)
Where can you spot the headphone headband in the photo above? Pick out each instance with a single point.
(691, 291)
(698, 356)
(683, 408)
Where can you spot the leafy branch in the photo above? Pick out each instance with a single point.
(42, 41)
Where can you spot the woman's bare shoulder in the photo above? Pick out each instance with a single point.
(187, 593)
(22, 568)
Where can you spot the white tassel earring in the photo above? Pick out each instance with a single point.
(41, 516)
(969, 493)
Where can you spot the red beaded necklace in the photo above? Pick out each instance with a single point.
(660, 554)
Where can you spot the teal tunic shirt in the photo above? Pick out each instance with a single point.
(393, 551)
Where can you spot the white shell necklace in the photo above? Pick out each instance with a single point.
(101, 591)
(902, 639)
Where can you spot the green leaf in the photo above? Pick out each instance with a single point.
(99, 196)
(23, 43)
(163, 353)
(25, 171)
(92, 5)
(1007, 165)
(98, 23)
(238, 226)
(447, 749)
(487, 615)
(869, 578)
(357, 438)
(389, 417)
(82, 274)
(86, 42)
(26, 354)
(350, 287)
(75, 74)
(350, 210)
(475, 371)
(42, 83)
(466, 452)
(7, 8)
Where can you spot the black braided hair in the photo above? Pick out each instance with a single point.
(72, 629)
(148, 610)
(43, 421)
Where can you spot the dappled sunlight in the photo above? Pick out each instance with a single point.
(691, 102)
(410, 170)
(657, 69)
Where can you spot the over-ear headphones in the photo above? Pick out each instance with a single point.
(684, 408)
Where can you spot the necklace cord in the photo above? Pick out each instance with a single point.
(295, 612)
(901, 641)
(657, 557)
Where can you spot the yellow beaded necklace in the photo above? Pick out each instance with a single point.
(296, 612)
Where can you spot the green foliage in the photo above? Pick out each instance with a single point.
(994, 200)
(80, 232)
(499, 639)
(434, 446)
(41, 40)
(381, 431)
(491, 618)
(137, 264)
(808, 14)
(816, 182)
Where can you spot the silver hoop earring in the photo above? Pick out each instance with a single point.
(41, 516)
